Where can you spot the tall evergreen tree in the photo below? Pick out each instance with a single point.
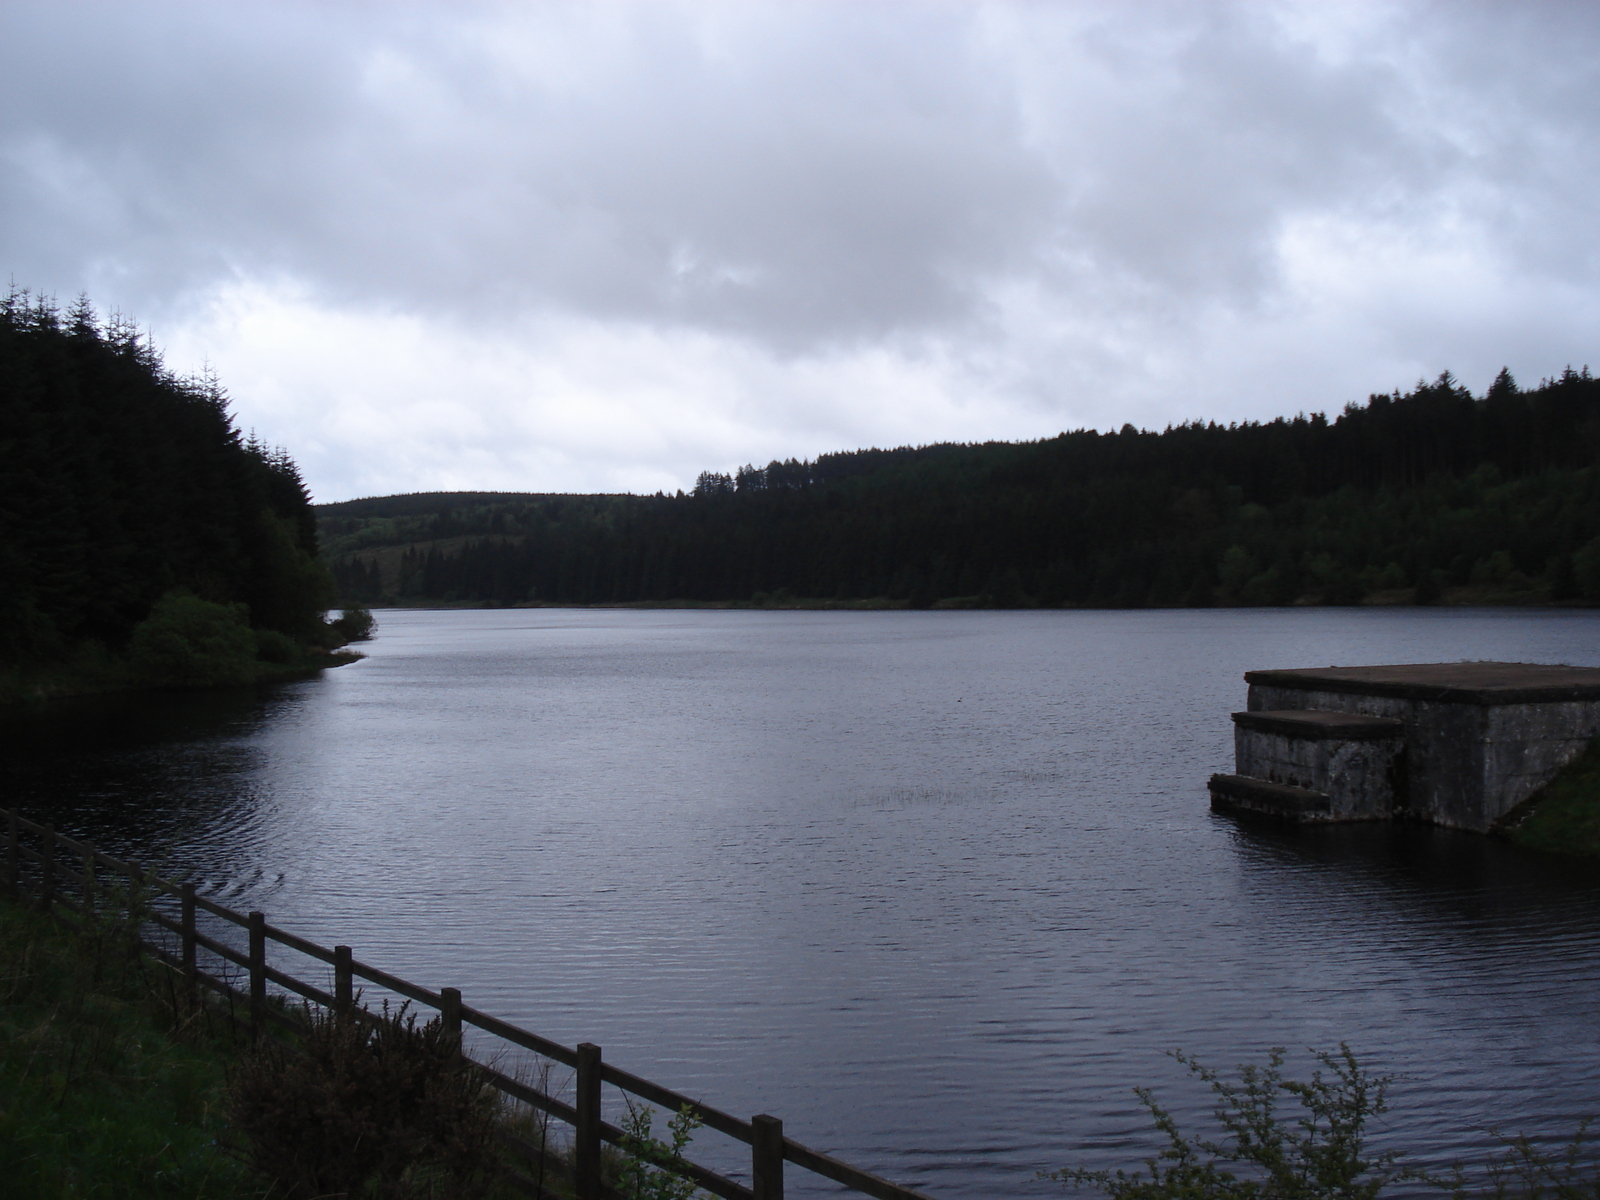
(121, 483)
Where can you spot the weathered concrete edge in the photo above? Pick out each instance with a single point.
(1240, 793)
(1294, 680)
(1355, 728)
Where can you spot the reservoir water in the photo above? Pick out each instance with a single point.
(937, 888)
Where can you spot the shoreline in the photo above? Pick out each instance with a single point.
(1454, 598)
(41, 687)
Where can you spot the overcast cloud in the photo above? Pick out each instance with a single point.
(605, 246)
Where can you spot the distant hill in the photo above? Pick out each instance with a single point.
(1434, 495)
(414, 504)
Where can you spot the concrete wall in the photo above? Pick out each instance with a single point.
(1468, 764)
(1363, 778)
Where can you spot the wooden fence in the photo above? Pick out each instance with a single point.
(64, 877)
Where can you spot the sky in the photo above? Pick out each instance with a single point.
(605, 246)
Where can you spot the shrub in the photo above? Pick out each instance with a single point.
(356, 624)
(366, 1105)
(275, 647)
(190, 642)
(1318, 1150)
(646, 1170)
(1321, 1152)
(1524, 1171)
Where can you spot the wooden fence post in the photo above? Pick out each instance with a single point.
(586, 1134)
(14, 854)
(258, 973)
(450, 1016)
(344, 985)
(47, 871)
(191, 965)
(766, 1157)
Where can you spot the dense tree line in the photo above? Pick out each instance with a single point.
(1408, 494)
(122, 484)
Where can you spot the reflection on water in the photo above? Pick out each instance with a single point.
(167, 773)
(938, 888)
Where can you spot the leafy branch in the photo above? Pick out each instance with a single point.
(651, 1168)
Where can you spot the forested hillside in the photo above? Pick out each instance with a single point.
(1427, 496)
(141, 538)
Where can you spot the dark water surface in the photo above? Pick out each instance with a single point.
(936, 888)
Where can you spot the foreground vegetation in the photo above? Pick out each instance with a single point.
(1435, 496)
(114, 1085)
(109, 1087)
(143, 541)
(1279, 1138)
(117, 1084)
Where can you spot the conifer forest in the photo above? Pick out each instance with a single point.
(128, 496)
(1435, 495)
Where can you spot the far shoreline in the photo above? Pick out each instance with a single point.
(1463, 597)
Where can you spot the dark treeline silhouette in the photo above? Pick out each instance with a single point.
(1405, 497)
(121, 484)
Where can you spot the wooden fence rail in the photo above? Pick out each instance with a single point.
(66, 877)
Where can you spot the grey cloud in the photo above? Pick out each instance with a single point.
(131, 138)
(800, 175)
(833, 182)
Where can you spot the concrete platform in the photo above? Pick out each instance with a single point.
(1479, 737)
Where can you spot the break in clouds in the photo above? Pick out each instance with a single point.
(599, 247)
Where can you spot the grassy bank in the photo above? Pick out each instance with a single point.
(92, 674)
(187, 643)
(116, 1084)
(1564, 815)
(108, 1089)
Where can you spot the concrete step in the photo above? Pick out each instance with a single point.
(1355, 761)
(1242, 794)
(1320, 726)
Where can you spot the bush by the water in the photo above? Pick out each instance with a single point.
(190, 642)
(275, 647)
(1288, 1139)
(1319, 1151)
(647, 1168)
(366, 1105)
(355, 624)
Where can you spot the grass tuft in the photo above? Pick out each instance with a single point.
(1564, 815)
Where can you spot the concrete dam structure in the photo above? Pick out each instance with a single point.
(1455, 744)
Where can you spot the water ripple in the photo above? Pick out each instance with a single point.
(939, 888)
